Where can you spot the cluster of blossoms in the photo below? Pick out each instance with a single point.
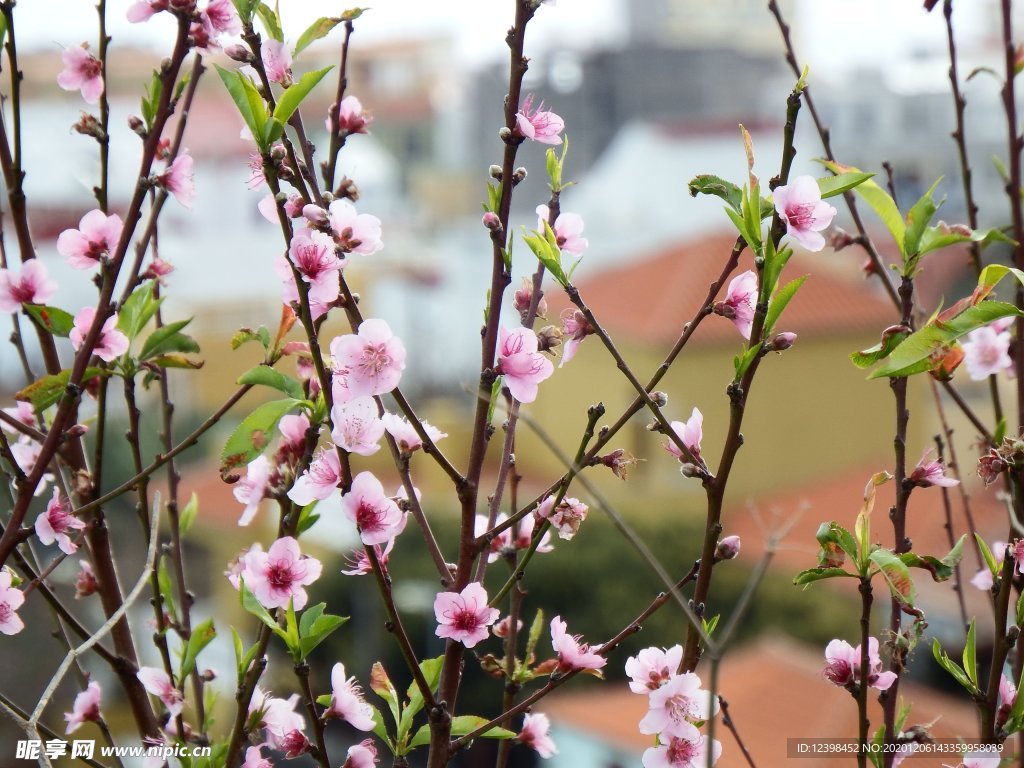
(677, 707)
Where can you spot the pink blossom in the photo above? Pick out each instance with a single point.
(983, 579)
(347, 701)
(986, 351)
(538, 124)
(405, 433)
(503, 626)
(277, 60)
(371, 362)
(26, 454)
(179, 179)
(501, 543)
(1005, 699)
(357, 426)
(377, 516)
(361, 755)
(254, 759)
(54, 524)
(986, 759)
(158, 269)
(85, 581)
(237, 566)
(524, 536)
(159, 683)
(690, 433)
(110, 344)
(464, 616)
(354, 118)
(142, 10)
(740, 301)
(82, 71)
(842, 665)
(928, 473)
(800, 206)
(278, 575)
(97, 236)
(11, 600)
(521, 364)
(221, 18)
(354, 232)
(320, 481)
(566, 517)
(535, 734)
(575, 328)
(86, 708)
(293, 428)
(22, 412)
(567, 229)
(312, 253)
(674, 706)
(359, 562)
(322, 293)
(652, 667)
(32, 286)
(251, 488)
(728, 548)
(690, 752)
(276, 716)
(572, 654)
(292, 207)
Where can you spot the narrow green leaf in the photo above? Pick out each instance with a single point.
(779, 302)
(830, 186)
(970, 656)
(271, 21)
(879, 200)
(318, 631)
(896, 575)
(188, 515)
(315, 31)
(818, 574)
(264, 375)
(993, 564)
(168, 338)
(381, 684)
(255, 432)
(952, 667)
(431, 669)
(918, 218)
(293, 95)
(51, 319)
(248, 101)
(551, 258)
(137, 310)
(201, 637)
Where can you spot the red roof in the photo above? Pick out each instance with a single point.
(650, 299)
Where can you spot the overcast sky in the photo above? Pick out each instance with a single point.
(833, 34)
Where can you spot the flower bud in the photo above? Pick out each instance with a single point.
(990, 466)
(840, 239)
(782, 341)
(137, 126)
(868, 268)
(689, 470)
(88, 125)
(77, 430)
(85, 582)
(504, 134)
(518, 175)
(491, 221)
(209, 675)
(278, 153)
(727, 548)
(548, 338)
(347, 189)
(659, 398)
(314, 214)
(619, 462)
(495, 172)
(238, 52)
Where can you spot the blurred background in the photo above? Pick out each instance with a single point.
(652, 93)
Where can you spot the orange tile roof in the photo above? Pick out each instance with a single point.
(651, 298)
(775, 691)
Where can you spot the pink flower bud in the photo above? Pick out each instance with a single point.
(238, 52)
(315, 215)
(491, 221)
(782, 341)
(727, 548)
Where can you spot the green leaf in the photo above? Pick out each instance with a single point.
(137, 310)
(550, 257)
(896, 575)
(707, 184)
(168, 338)
(381, 684)
(952, 667)
(431, 669)
(318, 630)
(253, 606)
(890, 340)
(248, 101)
(970, 657)
(881, 203)
(51, 319)
(493, 197)
(353, 13)
(830, 186)
(753, 242)
(779, 302)
(986, 553)
(918, 218)
(536, 628)
(245, 335)
(176, 361)
(833, 536)
(264, 375)
(252, 436)
(919, 348)
(461, 726)
(188, 515)
(292, 97)
(49, 389)
(163, 580)
(271, 21)
(151, 99)
(935, 238)
(818, 574)
(941, 570)
(742, 362)
(315, 31)
(201, 637)
(245, 9)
